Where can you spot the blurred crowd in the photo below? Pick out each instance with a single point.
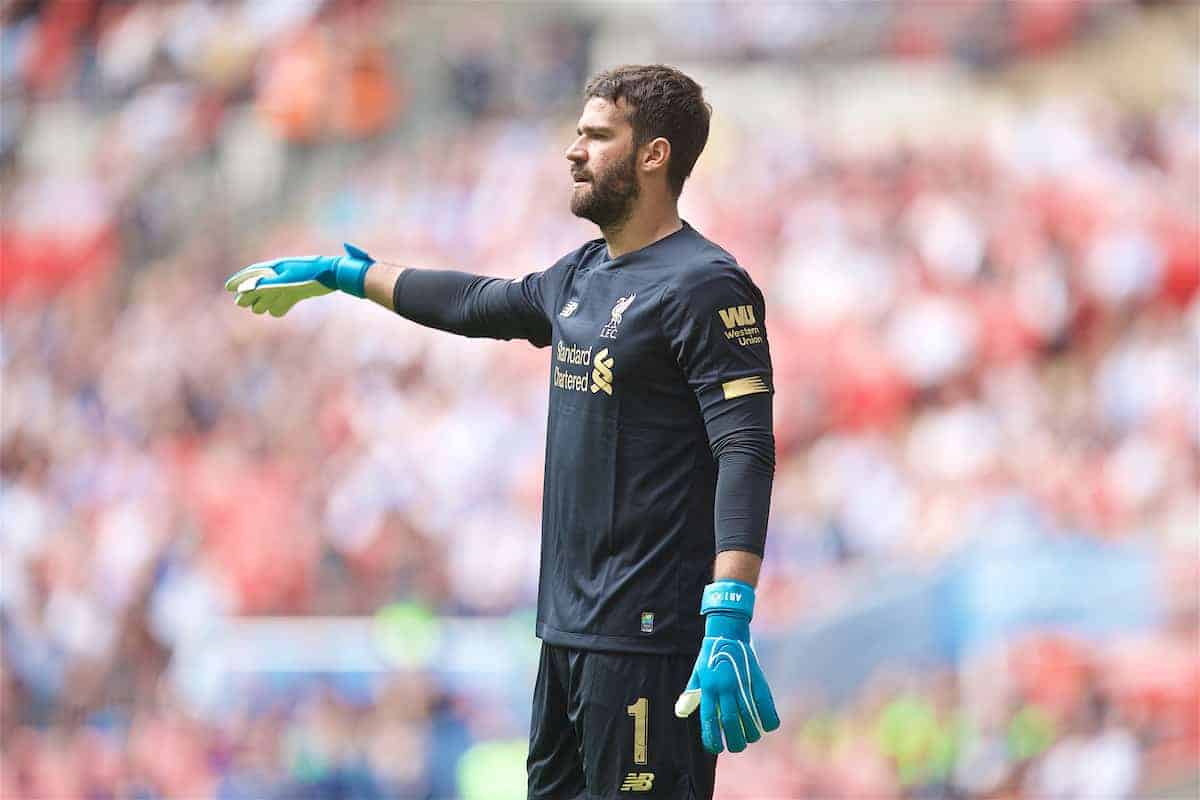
(1014, 316)
(1042, 717)
(978, 34)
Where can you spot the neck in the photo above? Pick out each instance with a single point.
(645, 226)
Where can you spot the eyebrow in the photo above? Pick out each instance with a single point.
(592, 129)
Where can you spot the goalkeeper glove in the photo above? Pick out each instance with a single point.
(276, 286)
(727, 684)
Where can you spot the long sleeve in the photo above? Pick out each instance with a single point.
(474, 305)
(717, 331)
(745, 473)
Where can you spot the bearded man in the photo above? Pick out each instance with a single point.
(659, 450)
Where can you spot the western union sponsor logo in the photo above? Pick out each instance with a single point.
(745, 336)
(741, 325)
(744, 386)
(737, 316)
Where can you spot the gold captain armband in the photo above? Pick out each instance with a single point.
(744, 386)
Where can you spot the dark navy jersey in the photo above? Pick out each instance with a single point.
(655, 356)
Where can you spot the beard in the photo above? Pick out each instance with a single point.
(609, 197)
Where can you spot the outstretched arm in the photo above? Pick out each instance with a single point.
(458, 302)
(466, 304)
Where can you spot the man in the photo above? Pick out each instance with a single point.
(659, 451)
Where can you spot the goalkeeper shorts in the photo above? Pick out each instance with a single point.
(604, 727)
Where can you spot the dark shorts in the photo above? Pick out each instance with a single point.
(604, 727)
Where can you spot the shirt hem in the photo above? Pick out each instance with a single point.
(618, 644)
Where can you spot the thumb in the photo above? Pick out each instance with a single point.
(689, 699)
(688, 702)
(246, 279)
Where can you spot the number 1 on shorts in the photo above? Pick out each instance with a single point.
(640, 711)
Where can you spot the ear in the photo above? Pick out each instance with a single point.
(655, 154)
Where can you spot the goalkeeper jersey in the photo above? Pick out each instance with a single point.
(656, 357)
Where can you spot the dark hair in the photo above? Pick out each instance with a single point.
(662, 102)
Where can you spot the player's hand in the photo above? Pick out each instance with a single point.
(727, 684)
(276, 286)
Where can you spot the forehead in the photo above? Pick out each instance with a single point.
(599, 112)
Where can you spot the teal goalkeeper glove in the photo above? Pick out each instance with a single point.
(276, 286)
(727, 684)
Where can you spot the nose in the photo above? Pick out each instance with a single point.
(576, 153)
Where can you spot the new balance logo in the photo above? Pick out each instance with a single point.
(602, 376)
(737, 316)
(638, 782)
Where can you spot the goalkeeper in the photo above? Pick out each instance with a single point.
(659, 451)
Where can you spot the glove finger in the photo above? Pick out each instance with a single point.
(279, 302)
(236, 279)
(741, 665)
(246, 299)
(234, 282)
(731, 722)
(249, 283)
(751, 725)
(261, 303)
(764, 701)
(710, 726)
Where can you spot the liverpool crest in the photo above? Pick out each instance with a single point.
(609, 331)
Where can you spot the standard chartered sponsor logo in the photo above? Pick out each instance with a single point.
(571, 356)
(569, 380)
(602, 377)
(568, 355)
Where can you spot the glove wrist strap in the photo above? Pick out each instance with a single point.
(729, 597)
(351, 271)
